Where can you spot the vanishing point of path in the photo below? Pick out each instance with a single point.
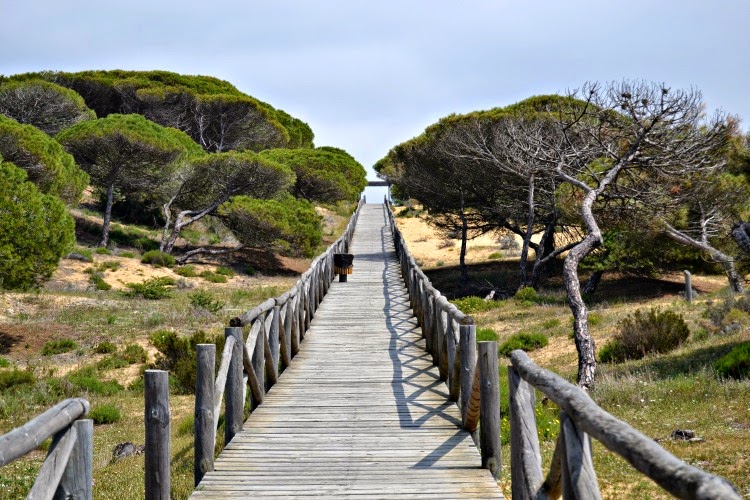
(360, 412)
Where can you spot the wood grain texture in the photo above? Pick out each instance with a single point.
(360, 410)
(157, 417)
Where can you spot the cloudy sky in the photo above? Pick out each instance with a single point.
(369, 75)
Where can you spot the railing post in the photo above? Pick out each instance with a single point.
(204, 427)
(286, 343)
(525, 457)
(78, 476)
(272, 356)
(578, 475)
(157, 417)
(688, 286)
(489, 408)
(454, 361)
(468, 352)
(233, 394)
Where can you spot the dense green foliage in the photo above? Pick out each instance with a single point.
(642, 333)
(524, 341)
(105, 414)
(127, 155)
(14, 377)
(177, 355)
(151, 289)
(213, 112)
(736, 363)
(58, 346)
(158, 259)
(45, 105)
(46, 163)
(286, 224)
(324, 175)
(35, 231)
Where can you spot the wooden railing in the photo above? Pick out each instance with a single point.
(67, 470)
(469, 369)
(571, 473)
(276, 330)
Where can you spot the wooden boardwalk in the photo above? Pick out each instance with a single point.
(360, 412)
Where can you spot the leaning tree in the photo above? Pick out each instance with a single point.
(126, 154)
(625, 143)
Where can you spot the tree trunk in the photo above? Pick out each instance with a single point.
(546, 247)
(527, 237)
(107, 214)
(462, 258)
(593, 282)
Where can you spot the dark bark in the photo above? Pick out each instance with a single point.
(107, 214)
(462, 258)
(210, 251)
(593, 282)
(524, 281)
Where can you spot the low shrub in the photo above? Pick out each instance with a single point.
(111, 363)
(177, 355)
(527, 294)
(105, 414)
(14, 377)
(643, 333)
(133, 353)
(103, 251)
(89, 379)
(525, 341)
(58, 346)
(4, 363)
(485, 334)
(186, 427)
(187, 271)
(158, 259)
(736, 363)
(105, 347)
(97, 279)
(127, 254)
(213, 277)
(495, 256)
(225, 271)
(473, 304)
(250, 271)
(201, 299)
(145, 244)
(152, 289)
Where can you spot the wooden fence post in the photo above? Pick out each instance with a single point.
(157, 417)
(233, 394)
(489, 408)
(525, 456)
(578, 475)
(78, 477)
(468, 353)
(204, 426)
(454, 362)
(688, 286)
(272, 356)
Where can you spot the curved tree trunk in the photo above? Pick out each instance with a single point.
(593, 282)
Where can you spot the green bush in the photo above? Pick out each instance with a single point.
(4, 363)
(225, 271)
(111, 363)
(58, 346)
(472, 304)
(527, 294)
(485, 334)
(213, 277)
(736, 363)
(187, 271)
(177, 355)
(250, 271)
(97, 279)
(524, 341)
(495, 255)
(152, 289)
(14, 377)
(35, 231)
(201, 299)
(103, 251)
(158, 259)
(105, 347)
(643, 333)
(133, 353)
(105, 414)
(127, 254)
(145, 244)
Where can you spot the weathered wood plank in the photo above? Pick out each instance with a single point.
(157, 418)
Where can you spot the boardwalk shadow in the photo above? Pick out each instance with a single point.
(416, 408)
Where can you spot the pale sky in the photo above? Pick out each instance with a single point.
(369, 75)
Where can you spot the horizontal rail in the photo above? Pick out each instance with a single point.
(583, 415)
(68, 468)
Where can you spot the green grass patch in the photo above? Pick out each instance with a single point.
(152, 289)
(525, 341)
(103, 251)
(133, 353)
(202, 299)
(736, 363)
(4, 363)
(187, 271)
(15, 377)
(495, 256)
(225, 271)
(105, 414)
(486, 334)
(473, 304)
(105, 347)
(213, 277)
(58, 346)
(158, 259)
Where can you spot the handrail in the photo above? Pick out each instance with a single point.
(582, 417)
(277, 327)
(68, 468)
(470, 373)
